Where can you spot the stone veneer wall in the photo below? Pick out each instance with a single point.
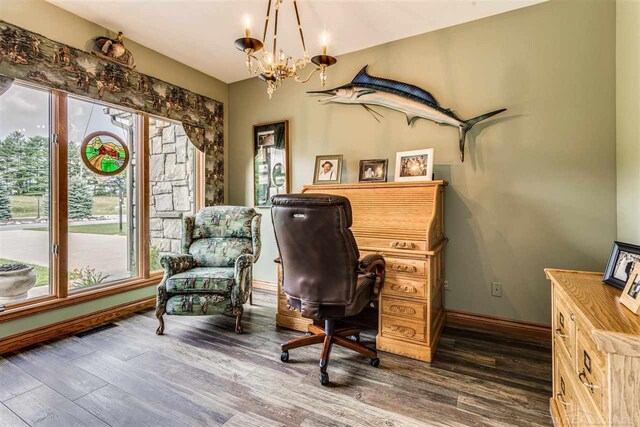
(171, 179)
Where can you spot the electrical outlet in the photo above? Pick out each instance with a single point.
(496, 289)
(446, 285)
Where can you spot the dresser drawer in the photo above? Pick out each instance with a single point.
(401, 308)
(404, 287)
(564, 326)
(395, 327)
(590, 369)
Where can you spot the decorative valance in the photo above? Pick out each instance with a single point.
(36, 59)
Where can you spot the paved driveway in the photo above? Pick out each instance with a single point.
(104, 253)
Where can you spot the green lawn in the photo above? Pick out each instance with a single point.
(27, 206)
(42, 273)
(111, 229)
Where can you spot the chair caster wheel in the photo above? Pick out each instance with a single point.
(284, 356)
(355, 338)
(324, 378)
(308, 334)
(374, 362)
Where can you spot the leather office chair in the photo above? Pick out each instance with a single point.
(323, 277)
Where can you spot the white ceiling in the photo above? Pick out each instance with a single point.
(200, 33)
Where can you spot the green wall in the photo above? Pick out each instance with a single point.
(538, 188)
(627, 116)
(44, 18)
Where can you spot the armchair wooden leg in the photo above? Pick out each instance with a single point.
(160, 330)
(237, 311)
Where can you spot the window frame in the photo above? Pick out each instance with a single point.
(60, 296)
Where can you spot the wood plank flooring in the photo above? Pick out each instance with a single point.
(200, 373)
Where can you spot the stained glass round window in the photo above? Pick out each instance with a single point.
(104, 153)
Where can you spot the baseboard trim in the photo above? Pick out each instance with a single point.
(512, 328)
(265, 285)
(74, 325)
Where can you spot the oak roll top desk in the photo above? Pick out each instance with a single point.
(596, 353)
(403, 221)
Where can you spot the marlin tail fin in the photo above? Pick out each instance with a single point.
(468, 124)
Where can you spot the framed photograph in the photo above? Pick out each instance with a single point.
(630, 297)
(622, 260)
(328, 169)
(414, 165)
(270, 161)
(373, 170)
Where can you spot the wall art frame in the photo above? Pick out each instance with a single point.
(270, 161)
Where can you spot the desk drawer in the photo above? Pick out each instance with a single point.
(564, 326)
(392, 244)
(401, 308)
(409, 267)
(404, 287)
(563, 388)
(401, 328)
(590, 369)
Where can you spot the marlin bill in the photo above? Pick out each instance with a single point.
(414, 102)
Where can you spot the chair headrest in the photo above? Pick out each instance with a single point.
(310, 200)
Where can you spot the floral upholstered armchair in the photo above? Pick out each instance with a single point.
(213, 273)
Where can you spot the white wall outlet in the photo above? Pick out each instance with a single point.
(446, 285)
(496, 289)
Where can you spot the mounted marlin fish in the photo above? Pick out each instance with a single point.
(414, 102)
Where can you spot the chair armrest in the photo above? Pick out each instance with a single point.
(243, 278)
(174, 263)
(373, 264)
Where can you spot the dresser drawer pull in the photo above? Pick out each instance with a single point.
(409, 332)
(560, 334)
(402, 245)
(585, 382)
(403, 288)
(402, 309)
(573, 317)
(560, 399)
(408, 268)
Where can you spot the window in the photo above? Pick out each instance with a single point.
(25, 158)
(82, 234)
(102, 216)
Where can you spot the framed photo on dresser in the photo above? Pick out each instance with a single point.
(373, 170)
(624, 257)
(328, 169)
(270, 161)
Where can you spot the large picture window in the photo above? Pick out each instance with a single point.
(78, 222)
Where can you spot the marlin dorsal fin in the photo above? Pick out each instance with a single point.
(364, 79)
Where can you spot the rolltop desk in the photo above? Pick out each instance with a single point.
(596, 353)
(403, 221)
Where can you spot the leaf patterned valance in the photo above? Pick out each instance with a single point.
(33, 58)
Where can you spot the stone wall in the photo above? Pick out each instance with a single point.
(171, 179)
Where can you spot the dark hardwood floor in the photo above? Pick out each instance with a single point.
(201, 373)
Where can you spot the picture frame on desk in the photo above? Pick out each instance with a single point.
(328, 169)
(374, 170)
(416, 165)
(630, 297)
(270, 161)
(624, 257)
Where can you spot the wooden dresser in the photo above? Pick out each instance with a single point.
(405, 223)
(596, 353)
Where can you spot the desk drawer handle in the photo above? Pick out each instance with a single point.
(409, 332)
(585, 382)
(407, 268)
(560, 334)
(403, 288)
(560, 399)
(402, 245)
(402, 309)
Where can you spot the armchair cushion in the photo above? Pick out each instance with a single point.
(219, 252)
(217, 280)
(198, 304)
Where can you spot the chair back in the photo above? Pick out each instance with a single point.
(318, 252)
(217, 235)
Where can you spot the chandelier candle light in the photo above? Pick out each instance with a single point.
(276, 66)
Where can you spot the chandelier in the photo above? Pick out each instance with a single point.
(276, 66)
